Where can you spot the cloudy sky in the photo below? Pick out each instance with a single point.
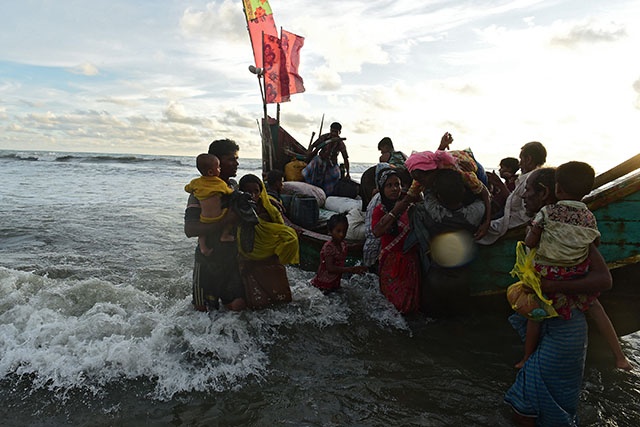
(168, 76)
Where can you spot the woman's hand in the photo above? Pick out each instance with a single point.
(482, 230)
(445, 141)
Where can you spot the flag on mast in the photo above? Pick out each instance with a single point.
(291, 45)
(281, 62)
(259, 21)
(276, 78)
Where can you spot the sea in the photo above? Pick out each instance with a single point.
(97, 327)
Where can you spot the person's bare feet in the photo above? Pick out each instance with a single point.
(237, 304)
(624, 364)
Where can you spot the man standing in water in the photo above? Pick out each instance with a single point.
(216, 277)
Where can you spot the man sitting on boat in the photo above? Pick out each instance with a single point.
(532, 156)
(323, 169)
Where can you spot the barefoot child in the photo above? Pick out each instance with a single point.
(333, 255)
(203, 188)
(561, 234)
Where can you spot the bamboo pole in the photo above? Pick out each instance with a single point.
(616, 172)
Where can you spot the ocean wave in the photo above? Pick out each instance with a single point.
(17, 156)
(246, 164)
(91, 335)
(122, 159)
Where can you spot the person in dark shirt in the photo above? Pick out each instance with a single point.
(216, 277)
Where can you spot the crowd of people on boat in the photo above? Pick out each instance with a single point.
(408, 203)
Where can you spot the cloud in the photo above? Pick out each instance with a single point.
(589, 33)
(118, 101)
(327, 79)
(636, 88)
(85, 69)
(176, 113)
(225, 20)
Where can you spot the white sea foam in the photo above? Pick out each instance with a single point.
(68, 334)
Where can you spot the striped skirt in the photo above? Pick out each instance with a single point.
(548, 386)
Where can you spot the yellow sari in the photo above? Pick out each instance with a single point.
(273, 237)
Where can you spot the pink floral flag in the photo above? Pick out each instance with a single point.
(276, 78)
(259, 20)
(291, 45)
(281, 62)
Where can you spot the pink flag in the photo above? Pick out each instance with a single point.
(291, 45)
(259, 20)
(281, 61)
(276, 78)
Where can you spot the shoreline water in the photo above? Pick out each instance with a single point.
(96, 325)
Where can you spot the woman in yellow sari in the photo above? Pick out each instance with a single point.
(272, 236)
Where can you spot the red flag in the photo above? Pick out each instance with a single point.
(276, 78)
(281, 61)
(291, 45)
(259, 20)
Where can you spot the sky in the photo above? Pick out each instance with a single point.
(167, 77)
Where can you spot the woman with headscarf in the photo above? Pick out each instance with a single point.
(272, 236)
(399, 271)
(422, 165)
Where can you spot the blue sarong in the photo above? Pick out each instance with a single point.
(548, 386)
(322, 173)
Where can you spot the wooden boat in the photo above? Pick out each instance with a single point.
(615, 201)
(279, 148)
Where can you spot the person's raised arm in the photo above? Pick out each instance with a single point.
(445, 141)
(597, 279)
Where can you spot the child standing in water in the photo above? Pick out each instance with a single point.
(561, 234)
(333, 255)
(203, 188)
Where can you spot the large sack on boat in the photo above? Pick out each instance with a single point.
(295, 187)
(293, 170)
(341, 204)
(265, 283)
(356, 230)
(347, 188)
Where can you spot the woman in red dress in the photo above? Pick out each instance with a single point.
(399, 271)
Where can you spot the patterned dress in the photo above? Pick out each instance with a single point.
(325, 280)
(399, 271)
(569, 227)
